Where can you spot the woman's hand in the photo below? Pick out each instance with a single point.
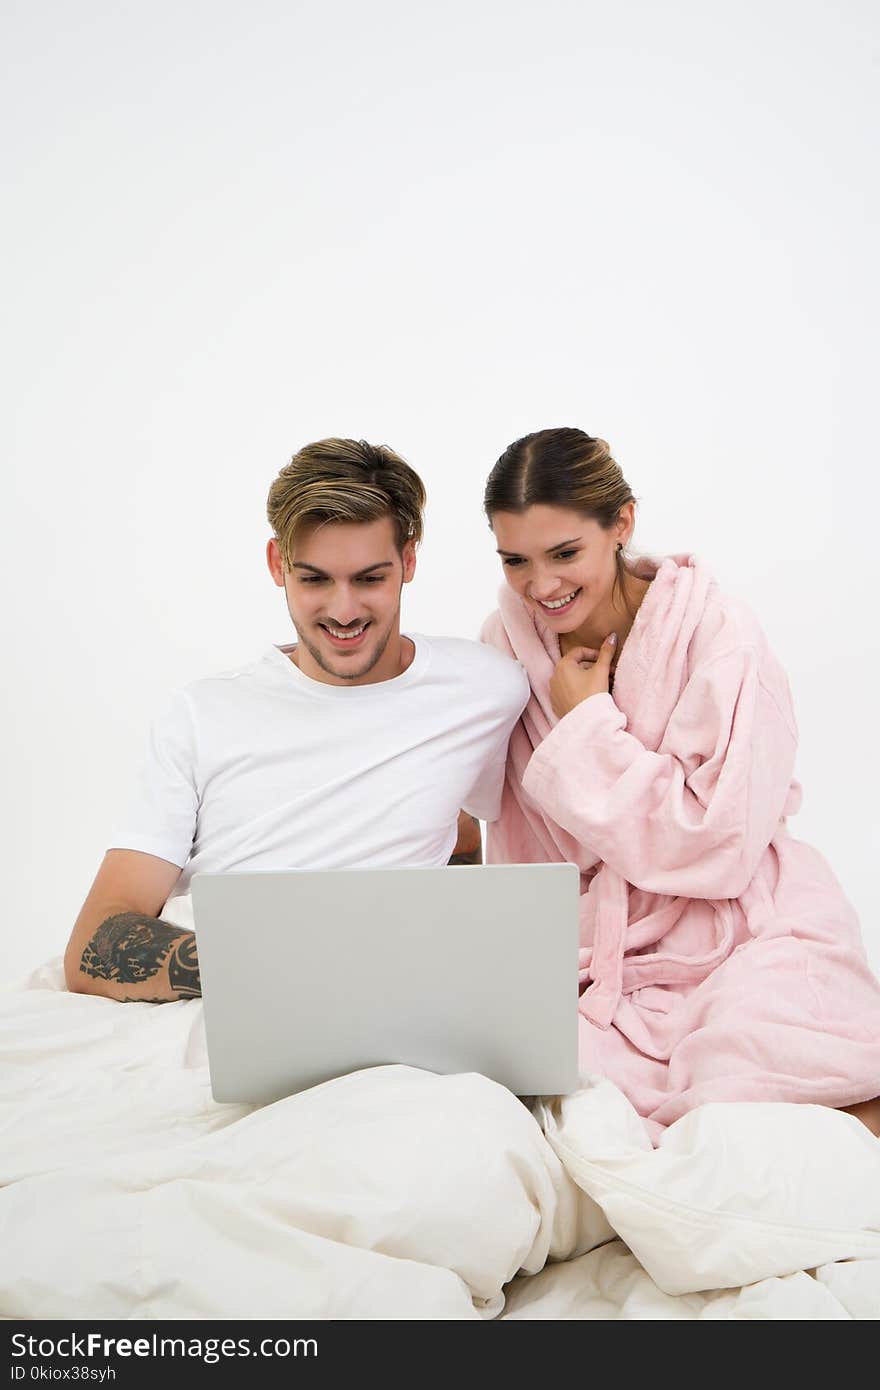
(582, 672)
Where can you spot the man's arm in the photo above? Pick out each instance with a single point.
(119, 947)
(469, 845)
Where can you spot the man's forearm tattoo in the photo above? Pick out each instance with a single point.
(130, 948)
(183, 968)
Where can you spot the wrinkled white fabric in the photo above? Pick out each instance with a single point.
(394, 1193)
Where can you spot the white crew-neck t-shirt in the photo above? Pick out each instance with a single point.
(263, 767)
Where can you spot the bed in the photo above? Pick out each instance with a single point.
(394, 1193)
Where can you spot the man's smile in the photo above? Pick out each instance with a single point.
(345, 637)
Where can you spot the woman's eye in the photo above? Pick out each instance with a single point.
(565, 555)
(513, 560)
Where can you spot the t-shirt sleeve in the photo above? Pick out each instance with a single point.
(484, 798)
(162, 811)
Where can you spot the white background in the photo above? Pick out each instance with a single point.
(231, 228)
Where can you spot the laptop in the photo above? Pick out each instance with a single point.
(310, 974)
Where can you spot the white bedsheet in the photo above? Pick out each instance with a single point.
(394, 1193)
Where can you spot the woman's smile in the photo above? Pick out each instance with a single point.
(558, 606)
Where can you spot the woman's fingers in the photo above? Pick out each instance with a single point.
(592, 654)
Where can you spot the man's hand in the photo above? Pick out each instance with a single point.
(469, 845)
(582, 672)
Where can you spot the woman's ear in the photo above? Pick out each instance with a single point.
(626, 522)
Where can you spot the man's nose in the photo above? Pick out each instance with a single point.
(345, 606)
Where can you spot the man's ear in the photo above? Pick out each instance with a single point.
(408, 556)
(273, 559)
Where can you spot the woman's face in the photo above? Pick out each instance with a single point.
(560, 562)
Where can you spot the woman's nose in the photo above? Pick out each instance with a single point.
(544, 587)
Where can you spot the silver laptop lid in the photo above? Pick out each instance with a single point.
(310, 974)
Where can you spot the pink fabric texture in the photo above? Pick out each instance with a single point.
(720, 959)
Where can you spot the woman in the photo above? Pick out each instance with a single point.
(719, 957)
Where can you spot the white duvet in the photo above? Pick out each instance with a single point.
(395, 1193)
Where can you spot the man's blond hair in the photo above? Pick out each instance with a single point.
(344, 480)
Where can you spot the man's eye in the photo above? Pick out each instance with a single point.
(373, 579)
(312, 579)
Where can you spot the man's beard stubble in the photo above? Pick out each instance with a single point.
(347, 675)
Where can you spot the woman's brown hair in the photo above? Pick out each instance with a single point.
(561, 468)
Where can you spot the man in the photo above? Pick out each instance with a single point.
(355, 747)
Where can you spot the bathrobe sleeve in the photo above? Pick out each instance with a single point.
(694, 818)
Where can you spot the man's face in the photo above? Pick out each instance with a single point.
(343, 596)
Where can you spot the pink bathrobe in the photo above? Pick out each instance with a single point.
(720, 959)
